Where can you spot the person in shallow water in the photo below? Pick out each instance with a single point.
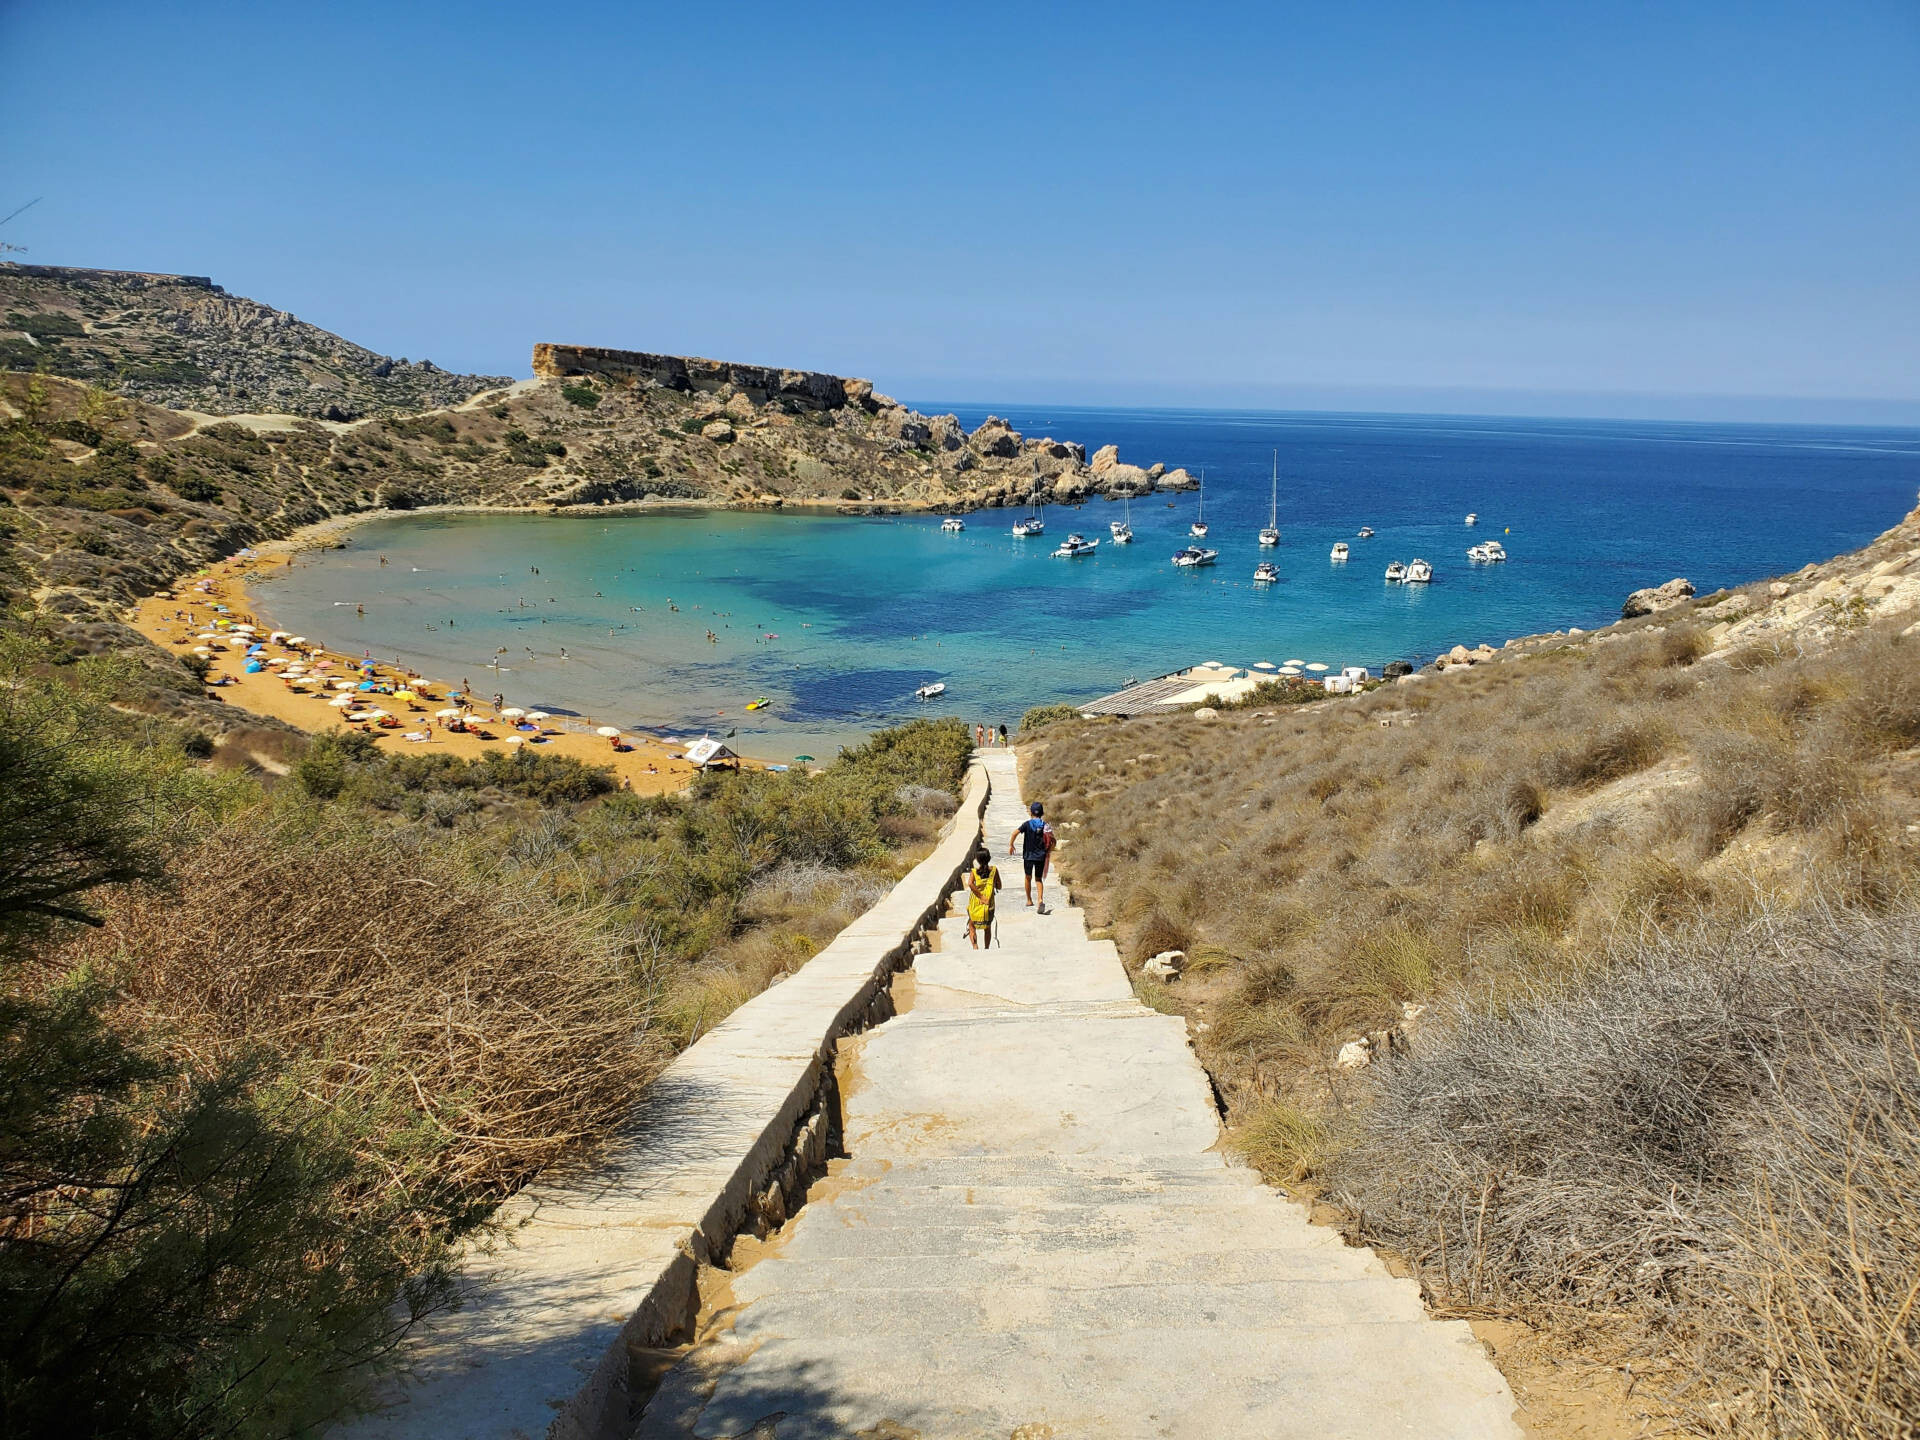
(1036, 848)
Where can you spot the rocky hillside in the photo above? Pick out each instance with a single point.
(153, 423)
(182, 341)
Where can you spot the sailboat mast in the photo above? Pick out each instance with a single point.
(1273, 515)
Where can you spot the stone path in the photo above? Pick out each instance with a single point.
(1035, 1236)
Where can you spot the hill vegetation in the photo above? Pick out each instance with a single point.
(271, 1047)
(1582, 977)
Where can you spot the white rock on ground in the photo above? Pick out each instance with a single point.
(1036, 1234)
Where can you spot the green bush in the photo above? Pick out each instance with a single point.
(197, 488)
(582, 394)
(1041, 716)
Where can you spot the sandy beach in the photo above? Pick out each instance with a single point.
(213, 601)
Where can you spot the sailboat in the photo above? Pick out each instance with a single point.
(1271, 535)
(1123, 529)
(1032, 525)
(1199, 527)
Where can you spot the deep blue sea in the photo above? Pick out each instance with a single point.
(838, 620)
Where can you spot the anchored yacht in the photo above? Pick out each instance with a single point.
(1472, 519)
(1271, 535)
(1419, 572)
(953, 524)
(1489, 552)
(1266, 573)
(1340, 550)
(1397, 571)
(1075, 545)
(1032, 525)
(1194, 556)
(1366, 532)
(1199, 527)
(1122, 530)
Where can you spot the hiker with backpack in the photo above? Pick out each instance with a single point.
(1036, 848)
(983, 885)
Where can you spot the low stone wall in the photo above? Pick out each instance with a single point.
(606, 1263)
(760, 383)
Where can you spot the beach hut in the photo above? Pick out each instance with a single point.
(707, 751)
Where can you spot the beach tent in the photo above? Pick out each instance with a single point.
(708, 751)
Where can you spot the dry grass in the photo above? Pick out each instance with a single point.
(405, 984)
(1653, 1098)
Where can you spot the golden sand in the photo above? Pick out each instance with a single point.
(175, 620)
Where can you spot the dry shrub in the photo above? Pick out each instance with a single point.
(1157, 933)
(1614, 748)
(1684, 644)
(1283, 1142)
(1718, 1135)
(405, 984)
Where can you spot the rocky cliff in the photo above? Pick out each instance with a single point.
(182, 341)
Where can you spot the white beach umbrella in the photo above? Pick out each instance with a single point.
(512, 712)
(609, 731)
(538, 715)
(1316, 666)
(446, 714)
(296, 640)
(208, 635)
(345, 684)
(516, 739)
(1296, 662)
(340, 702)
(1263, 665)
(277, 636)
(203, 651)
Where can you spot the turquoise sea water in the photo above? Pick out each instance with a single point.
(838, 620)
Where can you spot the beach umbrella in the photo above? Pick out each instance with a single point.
(799, 758)
(252, 667)
(343, 684)
(405, 695)
(1296, 662)
(1293, 670)
(538, 715)
(1263, 665)
(278, 660)
(296, 640)
(512, 712)
(446, 714)
(609, 731)
(278, 635)
(207, 635)
(1316, 666)
(516, 739)
(340, 702)
(203, 652)
(366, 685)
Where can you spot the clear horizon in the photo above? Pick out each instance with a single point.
(1704, 214)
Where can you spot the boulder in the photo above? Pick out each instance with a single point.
(1069, 488)
(1394, 669)
(1178, 480)
(1354, 1055)
(1779, 589)
(1156, 470)
(1206, 712)
(859, 392)
(1105, 458)
(1166, 966)
(1460, 655)
(1656, 598)
(718, 431)
(996, 437)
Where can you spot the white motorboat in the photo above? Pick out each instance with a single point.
(1366, 532)
(1472, 519)
(1271, 535)
(1419, 572)
(1032, 525)
(1396, 572)
(1340, 550)
(1266, 573)
(1199, 527)
(1122, 530)
(931, 692)
(1193, 556)
(1490, 553)
(953, 524)
(1075, 545)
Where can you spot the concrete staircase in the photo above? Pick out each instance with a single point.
(1035, 1235)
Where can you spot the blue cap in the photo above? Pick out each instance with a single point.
(1036, 808)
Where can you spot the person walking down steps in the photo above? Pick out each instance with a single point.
(983, 886)
(1035, 837)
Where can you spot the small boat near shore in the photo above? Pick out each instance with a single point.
(1034, 524)
(931, 692)
(953, 525)
(1419, 572)
(1193, 557)
(1074, 546)
(1396, 572)
(1488, 552)
(1122, 530)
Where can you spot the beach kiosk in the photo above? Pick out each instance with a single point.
(707, 752)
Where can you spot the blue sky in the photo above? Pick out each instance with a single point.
(1557, 208)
